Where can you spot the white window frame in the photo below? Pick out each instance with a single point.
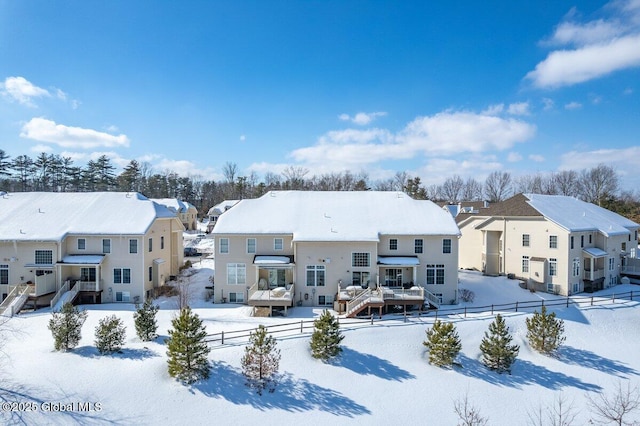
(4, 274)
(317, 273)
(223, 246)
(525, 264)
(360, 259)
(133, 246)
(124, 296)
(446, 248)
(576, 267)
(393, 244)
(120, 277)
(82, 243)
(553, 241)
(612, 263)
(150, 244)
(236, 273)
(553, 267)
(325, 300)
(435, 274)
(43, 257)
(278, 244)
(252, 245)
(418, 246)
(236, 297)
(526, 240)
(106, 245)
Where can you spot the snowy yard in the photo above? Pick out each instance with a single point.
(382, 376)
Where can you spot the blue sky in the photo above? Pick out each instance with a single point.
(431, 88)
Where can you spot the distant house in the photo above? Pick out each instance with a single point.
(186, 212)
(314, 248)
(107, 246)
(463, 209)
(214, 212)
(555, 243)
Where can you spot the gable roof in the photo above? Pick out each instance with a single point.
(178, 206)
(51, 216)
(336, 216)
(222, 207)
(575, 215)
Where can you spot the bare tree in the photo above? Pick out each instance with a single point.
(452, 189)
(468, 415)
(472, 190)
(598, 183)
(400, 181)
(566, 182)
(294, 177)
(434, 192)
(497, 186)
(615, 408)
(230, 170)
(561, 413)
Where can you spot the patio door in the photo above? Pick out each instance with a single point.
(277, 277)
(393, 277)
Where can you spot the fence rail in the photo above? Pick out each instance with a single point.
(301, 327)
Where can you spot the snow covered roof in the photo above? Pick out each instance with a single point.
(336, 216)
(595, 252)
(51, 216)
(83, 259)
(178, 206)
(222, 207)
(398, 260)
(576, 215)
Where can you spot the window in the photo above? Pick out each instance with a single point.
(315, 275)
(623, 247)
(150, 244)
(82, 244)
(612, 263)
(133, 246)
(224, 245)
(88, 274)
(251, 245)
(123, 296)
(325, 300)
(636, 235)
(360, 260)
(162, 243)
(576, 288)
(4, 274)
(393, 244)
(418, 245)
(122, 276)
(525, 264)
(446, 245)
(236, 273)
(44, 257)
(359, 277)
(106, 245)
(236, 297)
(525, 240)
(435, 274)
(553, 267)
(150, 273)
(581, 241)
(576, 267)
(571, 242)
(553, 241)
(439, 296)
(589, 238)
(277, 244)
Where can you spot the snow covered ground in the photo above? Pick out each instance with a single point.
(382, 377)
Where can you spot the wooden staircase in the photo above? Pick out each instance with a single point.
(366, 300)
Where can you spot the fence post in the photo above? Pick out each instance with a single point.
(492, 309)
(542, 303)
(591, 300)
(371, 319)
(436, 315)
(465, 311)
(222, 340)
(613, 298)
(567, 301)
(301, 324)
(516, 306)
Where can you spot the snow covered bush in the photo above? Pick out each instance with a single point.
(110, 335)
(66, 327)
(187, 351)
(545, 332)
(145, 321)
(443, 343)
(326, 337)
(498, 353)
(466, 295)
(261, 361)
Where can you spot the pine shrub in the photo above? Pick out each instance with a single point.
(443, 343)
(326, 337)
(145, 321)
(261, 361)
(110, 335)
(498, 353)
(187, 351)
(545, 332)
(66, 327)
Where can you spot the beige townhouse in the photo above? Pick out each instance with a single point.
(555, 243)
(106, 246)
(342, 250)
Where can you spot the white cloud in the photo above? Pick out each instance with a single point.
(21, 90)
(537, 158)
(43, 130)
(186, 168)
(41, 148)
(519, 108)
(573, 105)
(514, 157)
(362, 118)
(623, 160)
(592, 49)
(547, 103)
(496, 109)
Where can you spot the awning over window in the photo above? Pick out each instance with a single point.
(595, 252)
(398, 260)
(273, 261)
(82, 259)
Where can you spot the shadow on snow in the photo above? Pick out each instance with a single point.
(124, 353)
(371, 365)
(291, 394)
(588, 359)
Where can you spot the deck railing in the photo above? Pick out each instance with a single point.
(254, 289)
(593, 275)
(15, 300)
(358, 301)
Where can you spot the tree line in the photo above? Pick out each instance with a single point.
(51, 172)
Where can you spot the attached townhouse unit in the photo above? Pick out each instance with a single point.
(555, 243)
(104, 246)
(214, 212)
(186, 212)
(342, 250)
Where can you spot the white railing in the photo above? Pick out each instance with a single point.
(69, 289)
(267, 294)
(415, 292)
(88, 285)
(358, 301)
(15, 300)
(63, 289)
(432, 298)
(593, 275)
